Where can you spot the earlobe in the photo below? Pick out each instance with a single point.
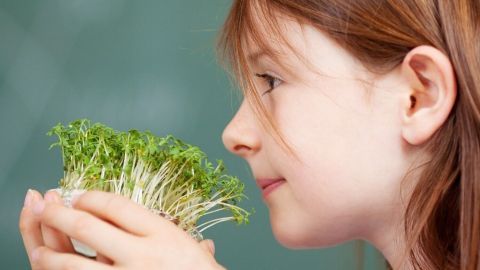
(431, 93)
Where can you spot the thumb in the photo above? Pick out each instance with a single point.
(208, 246)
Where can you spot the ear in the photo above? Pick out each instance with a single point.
(431, 95)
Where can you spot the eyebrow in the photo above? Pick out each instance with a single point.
(255, 57)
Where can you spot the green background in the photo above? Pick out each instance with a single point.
(129, 64)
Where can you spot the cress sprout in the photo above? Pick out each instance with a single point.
(166, 175)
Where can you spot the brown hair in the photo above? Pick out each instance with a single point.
(442, 220)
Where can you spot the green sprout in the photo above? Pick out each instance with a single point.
(166, 175)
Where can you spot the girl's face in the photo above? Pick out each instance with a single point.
(346, 133)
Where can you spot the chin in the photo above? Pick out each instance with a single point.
(291, 235)
(295, 235)
(292, 240)
(287, 240)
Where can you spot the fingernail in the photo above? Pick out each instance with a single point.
(35, 254)
(38, 207)
(28, 198)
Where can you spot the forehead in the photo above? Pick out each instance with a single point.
(301, 47)
(281, 37)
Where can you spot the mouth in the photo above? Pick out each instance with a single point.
(269, 185)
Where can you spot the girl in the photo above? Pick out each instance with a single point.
(361, 120)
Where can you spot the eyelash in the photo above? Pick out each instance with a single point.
(270, 79)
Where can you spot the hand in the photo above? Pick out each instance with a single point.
(34, 233)
(130, 236)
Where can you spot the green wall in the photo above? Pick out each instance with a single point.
(129, 64)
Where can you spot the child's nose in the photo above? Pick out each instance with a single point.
(240, 136)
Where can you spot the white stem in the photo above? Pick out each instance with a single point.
(215, 223)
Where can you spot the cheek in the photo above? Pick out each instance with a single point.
(314, 220)
(345, 145)
(330, 139)
(338, 182)
(321, 203)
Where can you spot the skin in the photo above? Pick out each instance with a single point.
(353, 148)
(121, 241)
(353, 151)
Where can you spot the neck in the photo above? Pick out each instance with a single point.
(389, 236)
(390, 241)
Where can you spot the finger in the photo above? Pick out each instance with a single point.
(29, 223)
(209, 246)
(103, 259)
(56, 240)
(95, 233)
(46, 258)
(123, 212)
(53, 238)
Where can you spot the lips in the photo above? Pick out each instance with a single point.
(268, 185)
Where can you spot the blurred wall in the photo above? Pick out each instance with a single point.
(129, 64)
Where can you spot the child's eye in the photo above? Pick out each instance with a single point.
(272, 81)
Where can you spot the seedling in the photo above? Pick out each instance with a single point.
(165, 175)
